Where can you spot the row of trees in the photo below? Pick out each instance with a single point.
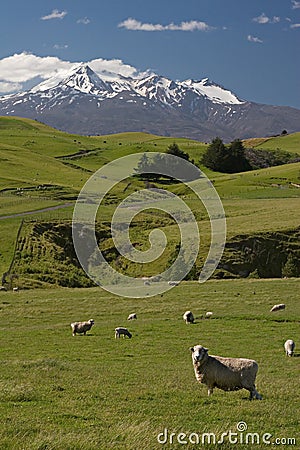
(153, 168)
(230, 158)
(219, 157)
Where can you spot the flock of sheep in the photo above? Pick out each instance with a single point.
(228, 374)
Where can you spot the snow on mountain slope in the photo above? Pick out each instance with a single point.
(81, 78)
(215, 93)
(84, 80)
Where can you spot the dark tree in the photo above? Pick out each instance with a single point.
(173, 149)
(236, 161)
(215, 156)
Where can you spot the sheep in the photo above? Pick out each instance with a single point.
(123, 331)
(81, 327)
(132, 316)
(208, 315)
(289, 347)
(173, 283)
(277, 307)
(228, 374)
(188, 317)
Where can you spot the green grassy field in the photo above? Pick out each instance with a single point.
(284, 142)
(95, 392)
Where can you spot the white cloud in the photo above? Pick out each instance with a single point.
(24, 66)
(18, 69)
(6, 87)
(106, 66)
(60, 47)
(55, 14)
(192, 25)
(254, 39)
(263, 19)
(295, 25)
(295, 5)
(84, 21)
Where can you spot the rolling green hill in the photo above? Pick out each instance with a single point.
(42, 168)
(287, 142)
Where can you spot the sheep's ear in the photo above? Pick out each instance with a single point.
(205, 349)
(192, 349)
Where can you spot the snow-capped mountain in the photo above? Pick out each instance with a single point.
(84, 103)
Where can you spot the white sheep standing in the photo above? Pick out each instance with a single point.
(289, 347)
(123, 331)
(81, 327)
(188, 317)
(278, 307)
(228, 374)
(132, 316)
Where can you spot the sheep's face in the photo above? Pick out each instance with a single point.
(91, 322)
(198, 353)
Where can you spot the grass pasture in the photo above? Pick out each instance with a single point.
(96, 393)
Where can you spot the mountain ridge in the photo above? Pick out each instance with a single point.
(85, 103)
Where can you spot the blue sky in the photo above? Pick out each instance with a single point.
(249, 46)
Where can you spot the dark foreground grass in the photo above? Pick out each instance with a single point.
(94, 392)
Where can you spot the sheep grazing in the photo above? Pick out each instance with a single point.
(208, 315)
(228, 374)
(289, 347)
(123, 331)
(277, 307)
(132, 316)
(188, 317)
(81, 327)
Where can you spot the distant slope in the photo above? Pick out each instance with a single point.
(286, 142)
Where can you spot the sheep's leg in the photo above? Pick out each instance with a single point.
(254, 394)
(210, 391)
(257, 395)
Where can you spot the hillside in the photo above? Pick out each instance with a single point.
(42, 171)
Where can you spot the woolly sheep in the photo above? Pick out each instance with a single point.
(208, 315)
(123, 331)
(132, 316)
(81, 327)
(228, 374)
(188, 317)
(277, 307)
(289, 347)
